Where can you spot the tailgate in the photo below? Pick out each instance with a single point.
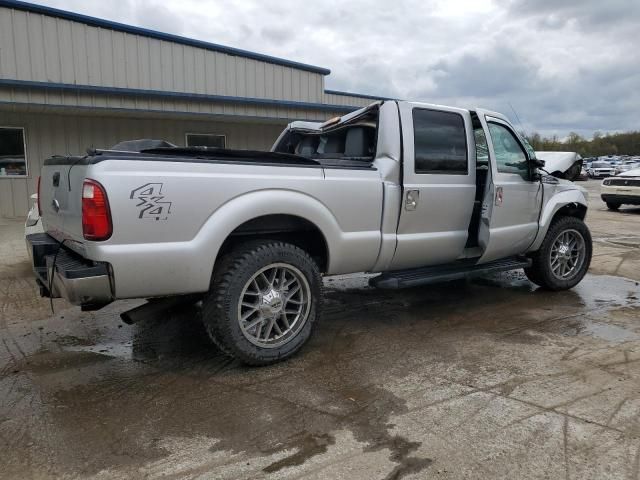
(61, 197)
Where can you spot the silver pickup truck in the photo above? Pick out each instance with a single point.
(417, 192)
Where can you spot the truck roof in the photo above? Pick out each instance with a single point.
(335, 121)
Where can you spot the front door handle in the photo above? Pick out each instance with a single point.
(499, 196)
(411, 200)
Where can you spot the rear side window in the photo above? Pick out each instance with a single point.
(440, 142)
(205, 140)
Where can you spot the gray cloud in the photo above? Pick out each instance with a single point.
(498, 72)
(564, 65)
(277, 34)
(156, 16)
(588, 14)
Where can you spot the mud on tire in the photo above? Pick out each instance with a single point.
(262, 280)
(563, 232)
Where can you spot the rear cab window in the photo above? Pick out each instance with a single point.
(440, 142)
(350, 143)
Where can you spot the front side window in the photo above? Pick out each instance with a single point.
(510, 157)
(440, 142)
(13, 155)
(205, 140)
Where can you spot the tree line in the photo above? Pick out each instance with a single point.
(627, 143)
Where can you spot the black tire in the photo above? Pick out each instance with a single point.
(221, 306)
(541, 272)
(613, 205)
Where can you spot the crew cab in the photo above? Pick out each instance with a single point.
(420, 193)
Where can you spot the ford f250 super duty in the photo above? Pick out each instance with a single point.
(419, 193)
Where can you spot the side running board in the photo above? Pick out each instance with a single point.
(444, 273)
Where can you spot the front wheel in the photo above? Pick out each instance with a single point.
(264, 300)
(564, 256)
(613, 205)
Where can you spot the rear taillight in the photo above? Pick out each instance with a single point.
(96, 216)
(39, 208)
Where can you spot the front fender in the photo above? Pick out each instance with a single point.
(556, 202)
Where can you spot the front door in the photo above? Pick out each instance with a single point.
(438, 185)
(511, 208)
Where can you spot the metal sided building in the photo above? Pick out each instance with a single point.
(69, 82)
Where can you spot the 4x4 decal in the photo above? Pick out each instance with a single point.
(151, 201)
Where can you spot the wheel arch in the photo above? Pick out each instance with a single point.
(289, 228)
(271, 214)
(571, 203)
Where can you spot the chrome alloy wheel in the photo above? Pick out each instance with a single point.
(567, 254)
(274, 305)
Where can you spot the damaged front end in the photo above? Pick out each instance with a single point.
(565, 165)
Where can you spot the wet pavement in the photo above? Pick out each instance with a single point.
(485, 379)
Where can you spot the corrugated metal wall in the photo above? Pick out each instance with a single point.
(347, 100)
(38, 97)
(37, 47)
(47, 135)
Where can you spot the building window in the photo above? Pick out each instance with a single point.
(440, 142)
(205, 140)
(13, 152)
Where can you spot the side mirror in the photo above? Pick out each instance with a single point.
(537, 163)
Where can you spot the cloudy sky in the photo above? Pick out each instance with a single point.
(564, 65)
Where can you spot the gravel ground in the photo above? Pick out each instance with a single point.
(485, 379)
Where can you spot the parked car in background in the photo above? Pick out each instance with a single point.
(600, 169)
(567, 165)
(626, 166)
(621, 189)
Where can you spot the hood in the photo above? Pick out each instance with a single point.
(565, 165)
(635, 172)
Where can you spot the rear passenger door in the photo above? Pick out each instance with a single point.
(438, 185)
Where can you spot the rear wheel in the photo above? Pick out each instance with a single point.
(613, 205)
(263, 303)
(564, 256)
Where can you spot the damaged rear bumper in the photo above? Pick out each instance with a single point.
(80, 281)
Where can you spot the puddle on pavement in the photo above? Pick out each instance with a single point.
(45, 361)
(608, 332)
(164, 379)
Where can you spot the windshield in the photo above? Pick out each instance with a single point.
(531, 153)
(600, 165)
